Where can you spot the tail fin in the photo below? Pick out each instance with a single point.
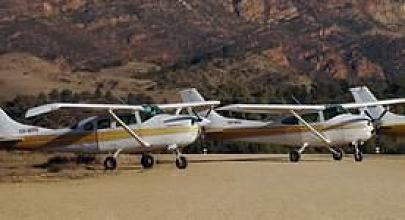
(191, 95)
(362, 95)
(217, 121)
(9, 127)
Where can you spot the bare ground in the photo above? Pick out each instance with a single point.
(218, 187)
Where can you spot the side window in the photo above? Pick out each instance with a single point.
(311, 118)
(88, 126)
(128, 119)
(290, 121)
(104, 123)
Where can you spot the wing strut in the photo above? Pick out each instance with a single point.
(316, 132)
(128, 129)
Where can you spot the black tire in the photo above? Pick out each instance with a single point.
(181, 162)
(110, 163)
(147, 161)
(358, 157)
(338, 155)
(295, 156)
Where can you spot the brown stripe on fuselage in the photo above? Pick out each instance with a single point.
(237, 133)
(393, 129)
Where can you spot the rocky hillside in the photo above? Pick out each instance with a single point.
(228, 47)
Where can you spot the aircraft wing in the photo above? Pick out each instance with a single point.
(374, 104)
(43, 109)
(273, 108)
(188, 105)
(56, 106)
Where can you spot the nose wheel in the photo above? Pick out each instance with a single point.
(147, 161)
(358, 155)
(181, 162)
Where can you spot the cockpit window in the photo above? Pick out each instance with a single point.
(150, 111)
(311, 118)
(88, 126)
(331, 112)
(104, 123)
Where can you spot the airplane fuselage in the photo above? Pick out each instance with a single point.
(79, 140)
(341, 130)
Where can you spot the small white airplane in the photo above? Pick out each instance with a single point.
(329, 126)
(386, 123)
(144, 130)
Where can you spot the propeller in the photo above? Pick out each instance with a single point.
(203, 122)
(377, 124)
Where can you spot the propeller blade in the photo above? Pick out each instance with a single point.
(369, 115)
(209, 112)
(196, 115)
(383, 114)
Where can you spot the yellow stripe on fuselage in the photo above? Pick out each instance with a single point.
(49, 141)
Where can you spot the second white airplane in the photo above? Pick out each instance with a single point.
(330, 126)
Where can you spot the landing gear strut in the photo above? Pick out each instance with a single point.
(147, 161)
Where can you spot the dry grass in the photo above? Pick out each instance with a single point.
(23, 74)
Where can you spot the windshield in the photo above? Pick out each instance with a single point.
(333, 111)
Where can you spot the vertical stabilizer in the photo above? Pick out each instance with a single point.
(9, 127)
(363, 95)
(191, 95)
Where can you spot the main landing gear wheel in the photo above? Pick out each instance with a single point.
(181, 162)
(338, 155)
(358, 156)
(110, 163)
(147, 161)
(295, 156)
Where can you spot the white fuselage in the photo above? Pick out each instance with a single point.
(340, 130)
(160, 132)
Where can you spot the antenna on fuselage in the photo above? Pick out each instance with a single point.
(295, 100)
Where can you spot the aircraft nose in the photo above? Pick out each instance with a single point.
(370, 128)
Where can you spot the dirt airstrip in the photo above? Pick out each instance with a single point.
(213, 187)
